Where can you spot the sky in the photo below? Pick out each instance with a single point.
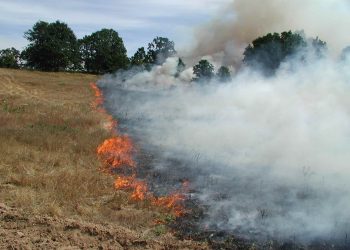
(137, 21)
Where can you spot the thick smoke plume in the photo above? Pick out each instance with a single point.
(275, 149)
(244, 20)
(268, 155)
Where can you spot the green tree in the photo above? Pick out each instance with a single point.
(139, 58)
(160, 49)
(223, 74)
(9, 58)
(267, 52)
(292, 42)
(52, 47)
(203, 71)
(103, 52)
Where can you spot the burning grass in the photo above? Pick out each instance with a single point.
(48, 165)
(117, 152)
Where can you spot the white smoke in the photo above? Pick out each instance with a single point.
(278, 147)
(161, 76)
(270, 156)
(244, 20)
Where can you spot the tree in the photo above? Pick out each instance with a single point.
(160, 49)
(292, 42)
(203, 71)
(9, 58)
(318, 46)
(223, 74)
(103, 52)
(52, 47)
(139, 58)
(267, 52)
(181, 66)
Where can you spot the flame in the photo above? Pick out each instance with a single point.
(131, 183)
(171, 202)
(117, 152)
(97, 103)
(123, 182)
(112, 124)
(140, 191)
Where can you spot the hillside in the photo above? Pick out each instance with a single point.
(51, 189)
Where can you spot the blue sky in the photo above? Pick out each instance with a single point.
(137, 21)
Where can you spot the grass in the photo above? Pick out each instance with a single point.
(48, 138)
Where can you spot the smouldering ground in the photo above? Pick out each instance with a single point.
(48, 165)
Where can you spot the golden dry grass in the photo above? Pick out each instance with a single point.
(48, 138)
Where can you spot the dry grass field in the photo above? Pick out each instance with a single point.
(48, 165)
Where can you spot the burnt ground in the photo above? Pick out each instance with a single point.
(191, 226)
(165, 171)
(165, 174)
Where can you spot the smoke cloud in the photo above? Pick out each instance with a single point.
(269, 156)
(276, 150)
(242, 21)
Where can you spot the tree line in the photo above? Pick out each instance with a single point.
(54, 47)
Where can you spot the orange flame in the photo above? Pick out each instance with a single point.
(98, 105)
(112, 124)
(99, 96)
(172, 202)
(123, 182)
(130, 183)
(140, 191)
(117, 152)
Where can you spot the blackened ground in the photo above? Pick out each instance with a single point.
(193, 224)
(165, 174)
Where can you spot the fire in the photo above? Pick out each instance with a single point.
(172, 202)
(140, 191)
(117, 152)
(99, 96)
(123, 182)
(112, 124)
(98, 105)
(131, 183)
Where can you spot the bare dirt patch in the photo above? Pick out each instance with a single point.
(20, 231)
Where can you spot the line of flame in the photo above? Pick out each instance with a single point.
(117, 152)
